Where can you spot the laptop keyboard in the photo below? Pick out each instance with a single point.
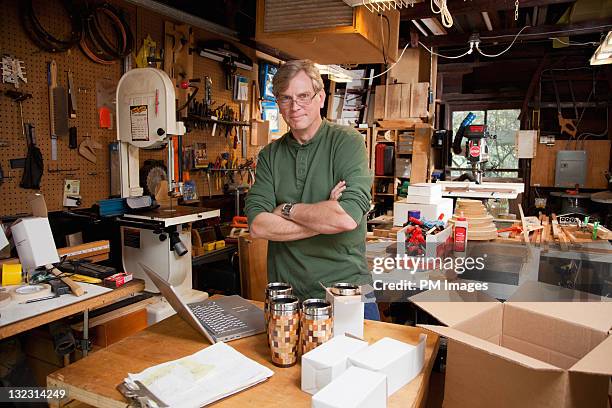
(214, 317)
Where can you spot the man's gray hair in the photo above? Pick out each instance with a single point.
(290, 69)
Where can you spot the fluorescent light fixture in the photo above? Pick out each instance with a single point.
(336, 73)
(487, 20)
(607, 43)
(603, 53)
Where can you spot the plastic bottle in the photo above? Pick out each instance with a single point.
(460, 237)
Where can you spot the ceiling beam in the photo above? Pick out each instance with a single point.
(458, 7)
(530, 33)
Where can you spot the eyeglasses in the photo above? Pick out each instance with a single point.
(303, 99)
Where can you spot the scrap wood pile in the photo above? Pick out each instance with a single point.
(543, 230)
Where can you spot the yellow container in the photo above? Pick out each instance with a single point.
(219, 244)
(11, 274)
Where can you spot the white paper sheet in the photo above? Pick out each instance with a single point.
(203, 377)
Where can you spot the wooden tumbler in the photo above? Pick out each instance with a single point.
(284, 330)
(274, 289)
(317, 323)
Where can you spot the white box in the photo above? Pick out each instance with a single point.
(425, 189)
(436, 246)
(327, 362)
(34, 242)
(417, 199)
(356, 388)
(399, 361)
(348, 314)
(428, 211)
(33, 237)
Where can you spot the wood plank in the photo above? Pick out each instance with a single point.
(93, 251)
(420, 153)
(379, 102)
(523, 224)
(602, 232)
(94, 380)
(555, 226)
(405, 101)
(394, 101)
(418, 100)
(399, 123)
(253, 266)
(135, 286)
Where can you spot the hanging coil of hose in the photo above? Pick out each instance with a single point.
(96, 44)
(43, 38)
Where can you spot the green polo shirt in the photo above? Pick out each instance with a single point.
(288, 172)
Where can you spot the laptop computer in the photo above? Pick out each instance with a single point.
(223, 319)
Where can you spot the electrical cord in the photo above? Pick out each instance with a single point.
(590, 43)
(504, 51)
(469, 51)
(492, 37)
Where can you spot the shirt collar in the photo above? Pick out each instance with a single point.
(315, 139)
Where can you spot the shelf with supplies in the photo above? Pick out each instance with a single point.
(398, 159)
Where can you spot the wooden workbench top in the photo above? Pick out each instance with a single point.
(93, 379)
(130, 288)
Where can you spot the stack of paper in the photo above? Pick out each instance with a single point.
(201, 378)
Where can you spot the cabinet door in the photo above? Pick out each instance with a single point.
(253, 266)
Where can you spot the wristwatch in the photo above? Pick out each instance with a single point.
(286, 210)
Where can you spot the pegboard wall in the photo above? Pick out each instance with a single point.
(94, 177)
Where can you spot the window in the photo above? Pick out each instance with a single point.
(502, 123)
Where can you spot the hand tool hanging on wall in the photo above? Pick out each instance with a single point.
(34, 164)
(52, 83)
(19, 97)
(72, 100)
(567, 126)
(13, 71)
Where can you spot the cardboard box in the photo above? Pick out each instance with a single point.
(327, 362)
(428, 211)
(399, 361)
(523, 354)
(348, 314)
(33, 237)
(438, 245)
(356, 388)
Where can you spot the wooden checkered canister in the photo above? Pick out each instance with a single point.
(317, 324)
(274, 289)
(284, 330)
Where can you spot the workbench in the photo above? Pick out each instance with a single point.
(93, 380)
(86, 305)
